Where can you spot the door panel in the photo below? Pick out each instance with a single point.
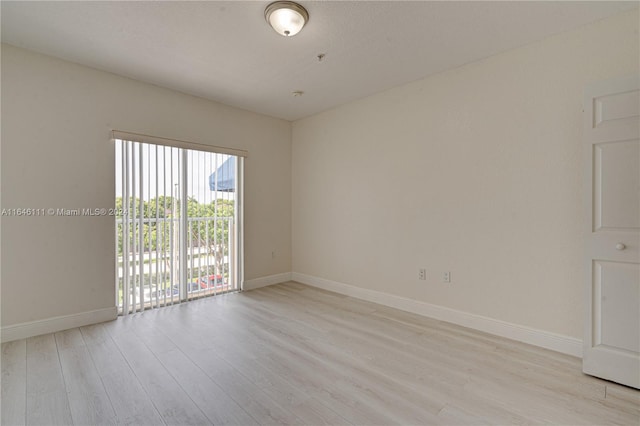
(616, 308)
(611, 108)
(617, 177)
(612, 136)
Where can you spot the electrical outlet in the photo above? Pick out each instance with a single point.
(422, 274)
(446, 277)
(273, 254)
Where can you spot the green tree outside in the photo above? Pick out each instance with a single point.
(208, 223)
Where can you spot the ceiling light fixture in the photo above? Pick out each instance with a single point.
(286, 17)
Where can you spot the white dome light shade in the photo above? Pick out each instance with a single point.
(286, 17)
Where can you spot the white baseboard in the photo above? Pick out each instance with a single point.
(265, 281)
(52, 325)
(556, 342)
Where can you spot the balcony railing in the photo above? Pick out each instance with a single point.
(151, 270)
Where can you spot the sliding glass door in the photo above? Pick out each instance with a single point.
(178, 226)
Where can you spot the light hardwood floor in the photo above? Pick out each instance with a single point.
(292, 354)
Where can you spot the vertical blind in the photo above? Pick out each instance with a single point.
(179, 222)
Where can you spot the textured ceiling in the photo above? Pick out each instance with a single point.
(225, 51)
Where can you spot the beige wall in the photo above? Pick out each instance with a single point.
(56, 118)
(477, 171)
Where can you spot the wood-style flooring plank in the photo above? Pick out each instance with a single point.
(88, 399)
(47, 402)
(14, 382)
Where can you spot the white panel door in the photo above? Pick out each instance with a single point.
(612, 135)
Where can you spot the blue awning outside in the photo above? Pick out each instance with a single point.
(226, 174)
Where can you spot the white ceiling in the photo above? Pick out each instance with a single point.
(225, 51)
